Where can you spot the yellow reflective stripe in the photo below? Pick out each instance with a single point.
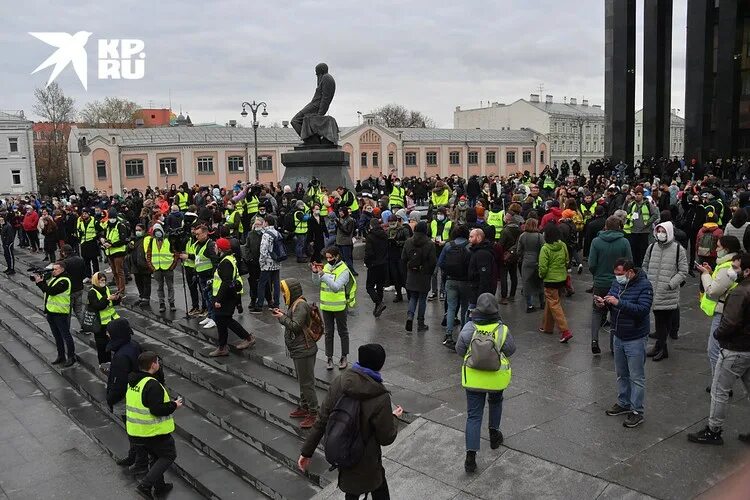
(154, 421)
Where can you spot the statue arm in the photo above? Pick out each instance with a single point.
(327, 89)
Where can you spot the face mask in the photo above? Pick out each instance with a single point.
(139, 233)
(622, 279)
(397, 184)
(661, 237)
(732, 274)
(158, 235)
(462, 203)
(331, 262)
(721, 253)
(441, 217)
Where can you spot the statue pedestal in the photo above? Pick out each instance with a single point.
(329, 164)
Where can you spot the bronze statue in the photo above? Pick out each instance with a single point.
(311, 123)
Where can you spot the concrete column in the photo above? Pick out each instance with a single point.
(698, 78)
(465, 161)
(444, 160)
(483, 160)
(619, 79)
(421, 161)
(152, 167)
(727, 80)
(221, 160)
(657, 75)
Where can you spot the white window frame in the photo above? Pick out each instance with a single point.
(236, 163)
(136, 163)
(205, 164)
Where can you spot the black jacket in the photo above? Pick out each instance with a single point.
(734, 330)
(57, 289)
(152, 398)
(482, 269)
(7, 233)
(75, 268)
(376, 247)
(227, 295)
(125, 352)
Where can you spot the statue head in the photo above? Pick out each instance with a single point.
(321, 69)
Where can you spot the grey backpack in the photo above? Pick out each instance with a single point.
(484, 352)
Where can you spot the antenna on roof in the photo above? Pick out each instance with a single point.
(170, 99)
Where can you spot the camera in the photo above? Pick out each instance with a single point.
(44, 272)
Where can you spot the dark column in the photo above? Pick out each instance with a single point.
(698, 79)
(727, 78)
(657, 76)
(619, 79)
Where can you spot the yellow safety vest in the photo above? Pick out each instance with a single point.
(108, 314)
(396, 198)
(216, 283)
(549, 182)
(252, 205)
(497, 220)
(440, 200)
(190, 251)
(161, 258)
(708, 305)
(446, 230)
(182, 201)
(139, 421)
(240, 206)
(645, 212)
(354, 206)
(588, 212)
(113, 234)
(60, 303)
(231, 219)
(338, 301)
(87, 232)
(202, 263)
(483, 380)
(300, 226)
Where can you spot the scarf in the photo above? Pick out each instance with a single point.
(367, 371)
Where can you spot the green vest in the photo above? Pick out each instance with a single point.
(139, 421)
(202, 263)
(60, 303)
(495, 219)
(240, 206)
(549, 182)
(182, 201)
(190, 251)
(161, 258)
(483, 380)
(108, 314)
(300, 226)
(252, 205)
(87, 232)
(645, 213)
(396, 198)
(708, 305)
(440, 200)
(216, 282)
(234, 221)
(536, 203)
(446, 230)
(113, 234)
(338, 301)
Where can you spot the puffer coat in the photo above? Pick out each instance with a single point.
(666, 269)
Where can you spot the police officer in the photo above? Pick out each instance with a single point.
(57, 306)
(149, 422)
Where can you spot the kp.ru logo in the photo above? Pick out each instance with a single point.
(117, 58)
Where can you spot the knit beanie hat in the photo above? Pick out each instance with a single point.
(421, 227)
(372, 356)
(223, 244)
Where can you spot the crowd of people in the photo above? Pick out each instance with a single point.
(467, 243)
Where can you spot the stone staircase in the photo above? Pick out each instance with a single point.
(234, 437)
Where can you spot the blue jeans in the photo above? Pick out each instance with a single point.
(457, 293)
(265, 278)
(346, 256)
(205, 290)
(414, 299)
(530, 300)
(713, 344)
(299, 246)
(630, 366)
(59, 324)
(475, 411)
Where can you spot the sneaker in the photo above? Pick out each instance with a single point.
(470, 464)
(409, 325)
(219, 351)
(496, 438)
(706, 436)
(595, 347)
(298, 412)
(58, 361)
(308, 421)
(674, 335)
(245, 343)
(144, 491)
(70, 362)
(447, 339)
(634, 419)
(210, 324)
(421, 327)
(172, 307)
(193, 312)
(204, 321)
(125, 462)
(163, 489)
(379, 310)
(108, 270)
(442, 296)
(329, 364)
(580, 268)
(343, 363)
(11, 272)
(104, 368)
(162, 307)
(565, 336)
(432, 296)
(389, 289)
(617, 410)
(256, 310)
(138, 469)
(530, 309)
(202, 313)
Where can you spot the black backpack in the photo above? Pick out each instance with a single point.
(414, 263)
(344, 445)
(456, 261)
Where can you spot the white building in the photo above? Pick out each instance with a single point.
(676, 135)
(574, 130)
(17, 164)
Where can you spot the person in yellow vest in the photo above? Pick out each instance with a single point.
(717, 284)
(397, 196)
(57, 308)
(233, 220)
(138, 265)
(440, 196)
(103, 302)
(440, 231)
(495, 217)
(149, 422)
(191, 276)
(484, 373)
(301, 216)
(338, 294)
(87, 229)
(182, 199)
(162, 261)
(348, 200)
(115, 247)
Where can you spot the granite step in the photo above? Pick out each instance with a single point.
(260, 472)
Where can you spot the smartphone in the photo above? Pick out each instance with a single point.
(698, 266)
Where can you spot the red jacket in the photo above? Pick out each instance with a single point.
(553, 215)
(30, 220)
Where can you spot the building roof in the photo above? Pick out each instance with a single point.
(675, 119)
(558, 108)
(464, 135)
(13, 116)
(193, 135)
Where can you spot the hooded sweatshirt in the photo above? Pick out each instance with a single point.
(605, 250)
(125, 352)
(553, 262)
(376, 247)
(665, 264)
(486, 312)
(295, 320)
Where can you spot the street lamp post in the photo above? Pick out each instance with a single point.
(254, 107)
(580, 122)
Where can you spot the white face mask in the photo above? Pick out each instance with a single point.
(661, 237)
(622, 279)
(441, 217)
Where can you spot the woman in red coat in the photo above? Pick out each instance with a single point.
(30, 221)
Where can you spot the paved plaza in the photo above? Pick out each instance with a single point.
(558, 441)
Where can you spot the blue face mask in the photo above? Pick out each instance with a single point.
(622, 279)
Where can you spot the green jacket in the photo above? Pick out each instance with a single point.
(553, 262)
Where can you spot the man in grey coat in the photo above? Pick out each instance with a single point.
(665, 264)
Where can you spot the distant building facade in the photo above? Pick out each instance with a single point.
(113, 159)
(17, 162)
(574, 130)
(676, 135)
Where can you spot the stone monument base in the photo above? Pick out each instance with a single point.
(330, 165)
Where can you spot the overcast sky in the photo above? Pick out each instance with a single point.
(427, 55)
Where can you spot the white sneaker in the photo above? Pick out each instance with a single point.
(211, 323)
(204, 321)
(389, 288)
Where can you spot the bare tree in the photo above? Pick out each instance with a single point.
(114, 112)
(51, 151)
(396, 116)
